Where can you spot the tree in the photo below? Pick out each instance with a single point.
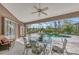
(68, 27)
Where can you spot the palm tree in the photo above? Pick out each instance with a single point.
(55, 24)
(59, 26)
(68, 27)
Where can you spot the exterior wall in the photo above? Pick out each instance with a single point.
(2, 27)
(4, 13)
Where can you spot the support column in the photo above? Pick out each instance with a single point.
(25, 30)
(1, 25)
(17, 30)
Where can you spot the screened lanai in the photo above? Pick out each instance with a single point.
(27, 30)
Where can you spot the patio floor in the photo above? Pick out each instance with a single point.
(18, 48)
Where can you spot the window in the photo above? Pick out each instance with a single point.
(10, 29)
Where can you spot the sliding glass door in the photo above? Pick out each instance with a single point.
(10, 29)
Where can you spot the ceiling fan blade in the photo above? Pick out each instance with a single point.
(46, 8)
(34, 12)
(44, 13)
(35, 7)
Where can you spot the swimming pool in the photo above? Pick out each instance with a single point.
(56, 35)
(47, 38)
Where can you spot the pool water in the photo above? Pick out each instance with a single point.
(57, 35)
(47, 38)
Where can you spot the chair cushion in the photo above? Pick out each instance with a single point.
(4, 43)
(57, 49)
(28, 46)
(37, 49)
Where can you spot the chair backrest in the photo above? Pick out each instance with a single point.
(58, 42)
(25, 40)
(64, 44)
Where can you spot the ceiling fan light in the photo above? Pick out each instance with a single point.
(40, 10)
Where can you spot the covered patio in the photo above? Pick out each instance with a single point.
(55, 32)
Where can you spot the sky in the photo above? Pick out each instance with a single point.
(74, 20)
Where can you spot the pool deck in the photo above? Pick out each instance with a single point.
(72, 44)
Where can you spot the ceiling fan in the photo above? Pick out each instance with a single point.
(40, 10)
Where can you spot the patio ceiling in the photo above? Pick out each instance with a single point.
(22, 11)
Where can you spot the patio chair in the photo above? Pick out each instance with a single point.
(27, 45)
(58, 49)
(45, 50)
(37, 49)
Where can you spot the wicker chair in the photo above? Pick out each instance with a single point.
(37, 50)
(58, 49)
(27, 45)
